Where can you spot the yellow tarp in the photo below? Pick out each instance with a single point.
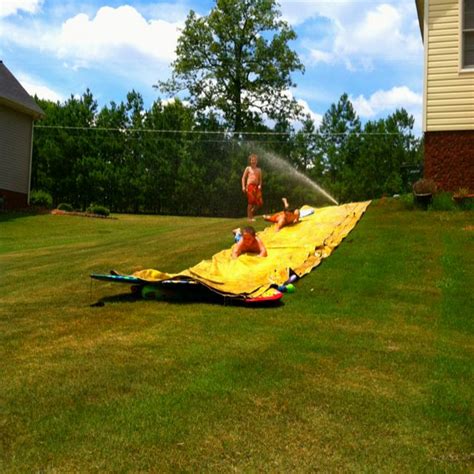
(299, 247)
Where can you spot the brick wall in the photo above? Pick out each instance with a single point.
(12, 200)
(449, 159)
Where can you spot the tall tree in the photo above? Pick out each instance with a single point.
(337, 144)
(304, 151)
(388, 152)
(237, 60)
(163, 152)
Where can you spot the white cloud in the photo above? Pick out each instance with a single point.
(34, 87)
(318, 56)
(361, 32)
(317, 118)
(305, 109)
(118, 39)
(380, 34)
(12, 7)
(383, 101)
(114, 32)
(297, 12)
(172, 100)
(173, 12)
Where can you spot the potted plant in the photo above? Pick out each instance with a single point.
(463, 198)
(423, 191)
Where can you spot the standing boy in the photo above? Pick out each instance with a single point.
(252, 186)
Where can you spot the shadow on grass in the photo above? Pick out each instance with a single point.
(6, 216)
(121, 298)
(183, 298)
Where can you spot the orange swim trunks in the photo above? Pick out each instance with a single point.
(289, 216)
(254, 195)
(273, 217)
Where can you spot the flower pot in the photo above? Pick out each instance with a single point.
(423, 200)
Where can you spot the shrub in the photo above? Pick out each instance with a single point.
(64, 206)
(466, 204)
(464, 199)
(41, 198)
(98, 209)
(424, 186)
(407, 201)
(443, 202)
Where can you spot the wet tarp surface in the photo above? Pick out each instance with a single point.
(297, 248)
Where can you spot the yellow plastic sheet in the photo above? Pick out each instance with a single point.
(299, 248)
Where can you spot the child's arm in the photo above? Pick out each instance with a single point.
(263, 250)
(260, 179)
(244, 179)
(236, 249)
(280, 222)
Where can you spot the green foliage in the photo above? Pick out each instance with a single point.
(65, 207)
(41, 198)
(237, 60)
(466, 204)
(464, 199)
(366, 162)
(170, 159)
(443, 202)
(407, 201)
(98, 209)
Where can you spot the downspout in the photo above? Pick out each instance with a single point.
(425, 64)
(31, 160)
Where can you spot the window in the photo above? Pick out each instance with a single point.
(468, 34)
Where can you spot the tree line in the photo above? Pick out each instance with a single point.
(235, 68)
(169, 159)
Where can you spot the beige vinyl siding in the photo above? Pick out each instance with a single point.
(449, 91)
(15, 150)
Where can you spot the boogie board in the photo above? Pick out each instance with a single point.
(129, 279)
(306, 212)
(187, 289)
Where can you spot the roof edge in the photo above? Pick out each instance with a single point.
(420, 9)
(20, 108)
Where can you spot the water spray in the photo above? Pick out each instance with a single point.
(281, 165)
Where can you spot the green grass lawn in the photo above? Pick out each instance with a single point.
(367, 367)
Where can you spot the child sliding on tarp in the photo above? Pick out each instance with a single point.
(285, 217)
(248, 242)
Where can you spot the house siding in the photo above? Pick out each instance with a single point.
(15, 150)
(449, 91)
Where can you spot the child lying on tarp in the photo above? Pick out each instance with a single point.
(285, 217)
(249, 243)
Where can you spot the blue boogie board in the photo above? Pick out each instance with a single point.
(129, 279)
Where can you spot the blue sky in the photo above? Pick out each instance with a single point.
(370, 49)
